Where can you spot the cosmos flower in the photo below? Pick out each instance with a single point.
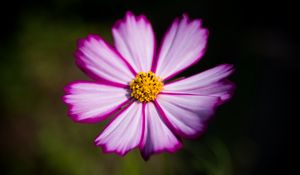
(132, 85)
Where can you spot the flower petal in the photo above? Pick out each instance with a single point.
(212, 82)
(183, 45)
(135, 40)
(124, 132)
(158, 137)
(101, 62)
(186, 114)
(92, 102)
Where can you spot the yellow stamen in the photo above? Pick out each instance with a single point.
(146, 86)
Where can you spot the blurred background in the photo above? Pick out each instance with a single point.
(255, 133)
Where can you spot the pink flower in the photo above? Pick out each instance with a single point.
(131, 84)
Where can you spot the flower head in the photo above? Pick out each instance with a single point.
(146, 86)
(130, 86)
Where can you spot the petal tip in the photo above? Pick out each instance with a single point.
(171, 150)
(128, 14)
(107, 150)
(119, 22)
(228, 68)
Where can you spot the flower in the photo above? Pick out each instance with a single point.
(132, 84)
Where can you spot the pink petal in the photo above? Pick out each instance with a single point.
(125, 131)
(183, 45)
(158, 137)
(186, 114)
(101, 62)
(92, 102)
(135, 40)
(212, 82)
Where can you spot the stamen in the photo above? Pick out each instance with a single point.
(146, 86)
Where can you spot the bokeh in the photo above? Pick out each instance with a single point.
(245, 136)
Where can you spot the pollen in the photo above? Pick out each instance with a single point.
(146, 86)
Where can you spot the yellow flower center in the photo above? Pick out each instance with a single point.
(146, 86)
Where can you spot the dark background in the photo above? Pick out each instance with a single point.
(255, 133)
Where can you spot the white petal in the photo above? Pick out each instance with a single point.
(124, 132)
(134, 39)
(101, 62)
(209, 83)
(158, 137)
(187, 114)
(92, 102)
(183, 45)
